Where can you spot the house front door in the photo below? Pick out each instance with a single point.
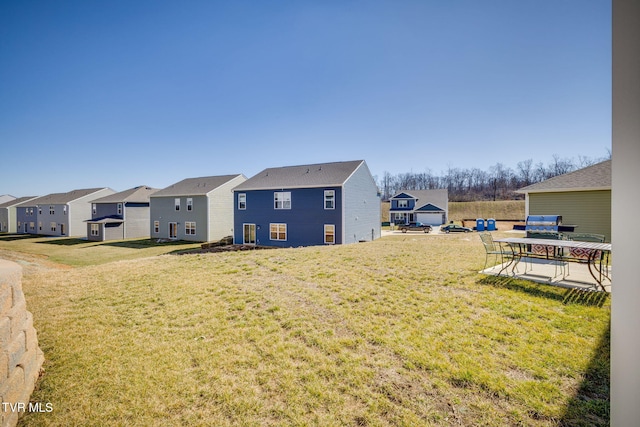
(249, 234)
(173, 230)
(25, 228)
(62, 229)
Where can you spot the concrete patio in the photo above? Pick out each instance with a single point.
(550, 272)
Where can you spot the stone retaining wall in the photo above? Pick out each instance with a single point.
(20, 356)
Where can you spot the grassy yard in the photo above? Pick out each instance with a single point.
(400, 331)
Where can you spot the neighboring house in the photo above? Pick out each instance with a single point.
(8, 214)
(6, 198)
(582, 198)
(58, 214)
(426, 206)
(328, 203)
(195, 209)
(121, 215)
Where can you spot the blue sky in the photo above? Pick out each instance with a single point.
(124, 93)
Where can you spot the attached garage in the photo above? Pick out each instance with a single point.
(431, 214)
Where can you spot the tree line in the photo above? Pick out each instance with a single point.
(498, 183)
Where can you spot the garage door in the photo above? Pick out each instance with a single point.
(434, 218)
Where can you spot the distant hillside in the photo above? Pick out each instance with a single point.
(501, 210)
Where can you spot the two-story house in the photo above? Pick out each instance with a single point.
(425, 206)
(8, 214)
(121, 215)
(58, 214)
(327, 203)
(194, 209)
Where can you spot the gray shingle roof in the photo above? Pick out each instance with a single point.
(195, 186)
(594, 177)
(303, 176)
(16, 202)
(138, 194)
(61, 198)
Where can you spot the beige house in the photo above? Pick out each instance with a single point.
(582, 198)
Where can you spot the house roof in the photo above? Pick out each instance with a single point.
(424, 199)
(105, 220)
(302, 176)
(594, 177)
(16, 202)
(429, 208)
(195, 186)
(61, 198)
(138, 194)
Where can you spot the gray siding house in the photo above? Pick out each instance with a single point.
(582, 197)
(58, 214)
(8, 214)
(306, 205)
(121, 215)
(194, 209)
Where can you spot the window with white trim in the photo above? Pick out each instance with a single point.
(64, 209)
(329, 199)
(156, 226)
(282, 200)
(32, 225)
(190, 227)
(177, 204)
(189, 204)
(40, 225)
(330, 234)
(278, 231)
(52, 210)
(94, 208)
(39, 210)
(53, 226)
(95, 229)
(242, 201)
(119, 208)
(403, 203)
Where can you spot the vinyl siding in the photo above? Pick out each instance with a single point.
(305, 220)
(221, 209)
(361, 207)
(589, 210)
(136, 216)
(162, 209)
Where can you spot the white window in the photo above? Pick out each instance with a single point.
(190, 204)
(40, 225)
(403, 203)
(53, 225)
(39, 210)
(94, 209)
(64, 209)
(329, 234)
(329, 199)
(95, 229)
(156, 226)
(30, 211)
(278, 231)
(190, 227)
(32, 225)
(52, 210)
(282, 200)
(242, 201)
(177, 203)
(119, 208)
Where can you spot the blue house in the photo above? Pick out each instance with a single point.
(327, 203)
(426, 206)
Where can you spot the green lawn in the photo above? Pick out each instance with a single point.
(400, 331)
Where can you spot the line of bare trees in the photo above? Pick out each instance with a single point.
(498, 183)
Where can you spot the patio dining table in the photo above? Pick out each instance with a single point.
(597, 254)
